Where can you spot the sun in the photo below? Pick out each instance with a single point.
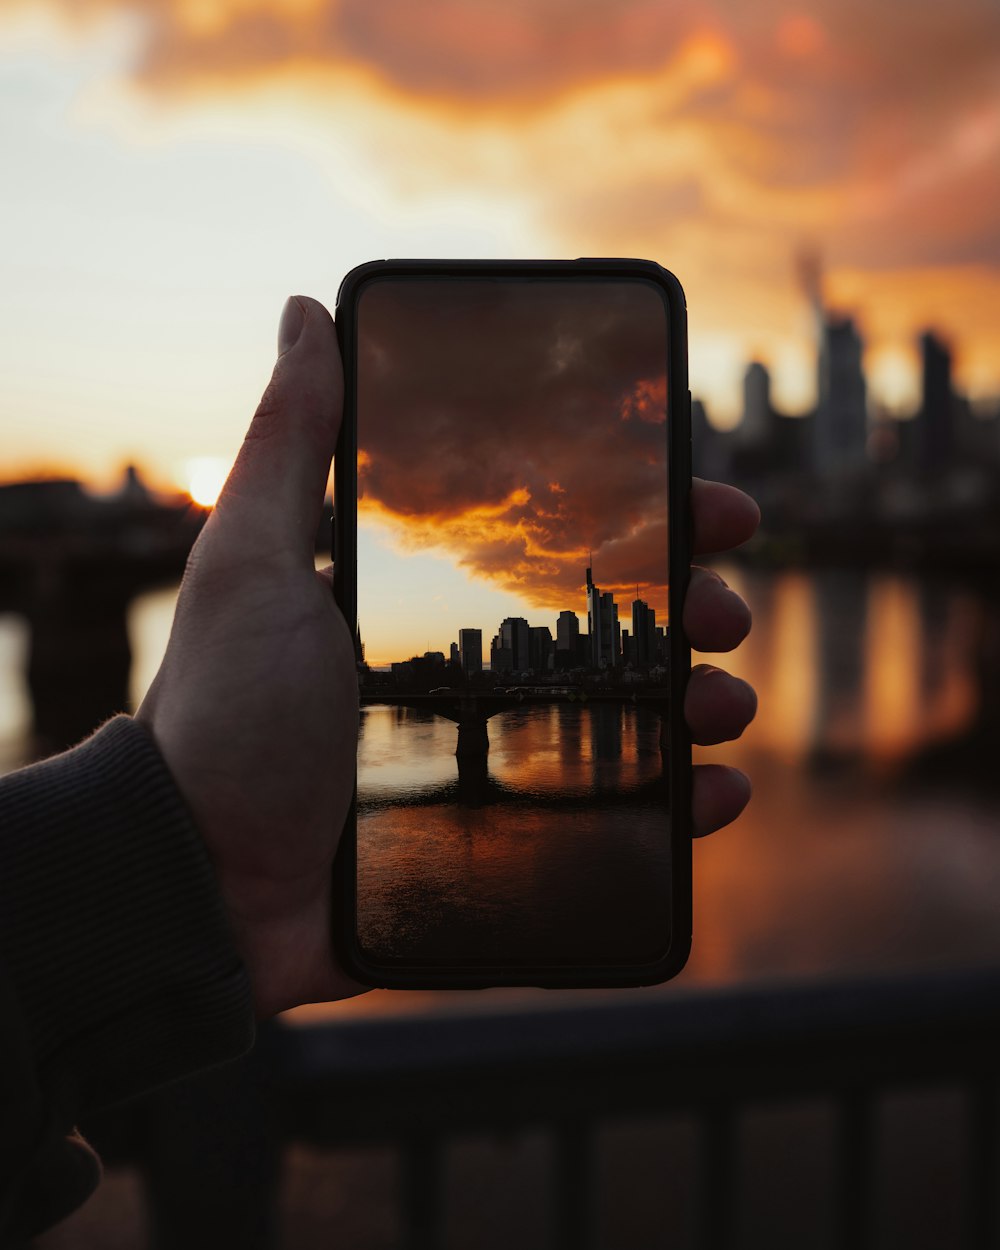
(205, 477)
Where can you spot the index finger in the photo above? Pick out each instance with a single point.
(723, 516)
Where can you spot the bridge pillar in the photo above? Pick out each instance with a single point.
(473, 738)
(473, 779)
(79, 659)
(471, 753)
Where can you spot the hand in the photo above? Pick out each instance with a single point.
(255, 707)
(718, 707)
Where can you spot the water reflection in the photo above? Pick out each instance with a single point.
(828, 871)
(552, 847)
(841, 611)
(856, 667)
(882, 866)
(871, 666)
(554, 752)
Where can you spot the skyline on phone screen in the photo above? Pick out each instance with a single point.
(513, 769)
(540, 458)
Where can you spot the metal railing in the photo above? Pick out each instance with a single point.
(416, 1083)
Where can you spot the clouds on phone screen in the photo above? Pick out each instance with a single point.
(521, 427)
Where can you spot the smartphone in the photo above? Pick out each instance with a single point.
(512, 547)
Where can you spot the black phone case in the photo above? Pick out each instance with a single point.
(347, 948)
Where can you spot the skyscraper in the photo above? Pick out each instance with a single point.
(643, 633)
(540, 648)
(470, 651)
(515, 634)
(840, 432)
(755, 426)
(935, 421)
(602, 620)
(840, 428)
(567, 631)
(572, 647)
(501, 657)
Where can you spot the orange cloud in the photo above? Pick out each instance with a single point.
(800, 35)
(478, 50)
(714, 137)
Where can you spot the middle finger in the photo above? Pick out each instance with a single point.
(715, 617)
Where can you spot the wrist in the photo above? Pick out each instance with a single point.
(111, 922)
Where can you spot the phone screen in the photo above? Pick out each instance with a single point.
(512, 596)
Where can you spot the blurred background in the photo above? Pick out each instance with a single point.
(822, 177)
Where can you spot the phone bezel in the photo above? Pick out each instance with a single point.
(415, 975)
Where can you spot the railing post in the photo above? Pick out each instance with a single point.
(573, 1207)
(718, 1179)
(854, 1170)
(983, 1163)
(421, 1186)
(213, 1154)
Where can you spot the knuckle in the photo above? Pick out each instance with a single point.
(267, 417)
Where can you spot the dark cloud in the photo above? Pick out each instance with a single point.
(521, 425)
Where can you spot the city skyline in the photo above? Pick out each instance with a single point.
(517, 644)
(846, 431)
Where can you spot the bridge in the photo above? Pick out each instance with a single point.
(70, 565)
(472, 709)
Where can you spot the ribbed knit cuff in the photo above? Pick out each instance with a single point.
(111, 925)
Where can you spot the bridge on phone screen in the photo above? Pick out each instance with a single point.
(471, 710)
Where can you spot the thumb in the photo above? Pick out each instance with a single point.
(273, 497)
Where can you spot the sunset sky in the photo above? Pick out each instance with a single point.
(172, 169)
(509, 435)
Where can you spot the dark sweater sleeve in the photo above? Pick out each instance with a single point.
(117, 968)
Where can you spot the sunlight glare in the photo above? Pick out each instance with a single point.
(205, 478)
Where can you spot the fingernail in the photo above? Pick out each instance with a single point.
(293, 318)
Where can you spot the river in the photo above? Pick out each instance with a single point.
(849, 861)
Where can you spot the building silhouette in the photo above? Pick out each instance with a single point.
(643, 633)
(602, 621)
(709, 449)
(572, 647)
(936, 416)
(567, 631)
(510, 650)
(541, 649)
(470, 651)
(840, 430)
(756, 424)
